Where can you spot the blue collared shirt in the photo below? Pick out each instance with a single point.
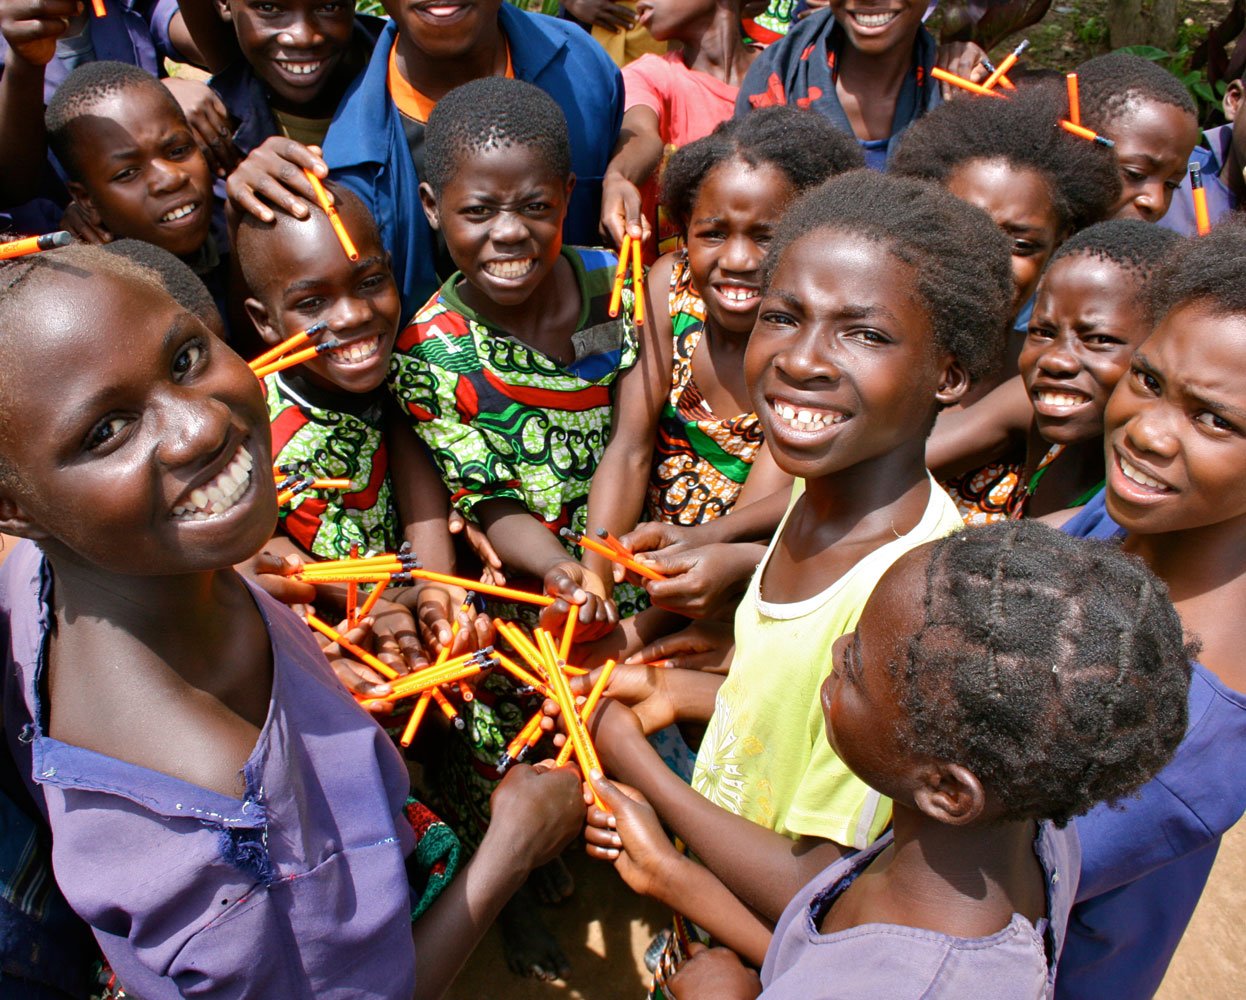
(1220, 200)
(367, 149)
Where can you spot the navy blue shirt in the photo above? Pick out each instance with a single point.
(1144, 863)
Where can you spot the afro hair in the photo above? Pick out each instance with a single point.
(1109, 84)
(1053, 668)
(1081, 177)
(964, 273)
(806, 147)
(494, 113)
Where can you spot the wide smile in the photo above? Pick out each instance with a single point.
(221, 493)
(513, 269)
(301, 72)
(355, 352)
(180, 215)
(871, 22)
(737, 297)
(803, 420)
(1132, 482)
(1058, 403)
(442, 13)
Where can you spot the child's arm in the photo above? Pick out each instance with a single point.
(763, 868)
(617, 495)
(636, 156)
(535, 813)
(31, 29)
(985, 430)
(201, 37)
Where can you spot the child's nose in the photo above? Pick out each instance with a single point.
(300, 34)
(508, 227)
(193, 429)
(350, 312)
(740, 255)
(1059, 359)
(167, 175)
(1149, 200)
(1150, 430)
(806, 358)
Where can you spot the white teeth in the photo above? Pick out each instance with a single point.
(874, 20)
(510, 268)
(302, 68)
(357, 350)
(177, 213)
(807, 420)
(735, 293)
(221, 493)
(1134, 474)
(1060, 399)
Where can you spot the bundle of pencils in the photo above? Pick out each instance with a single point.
(290, 486)
(630, 249)
(280, 357)
(612, 549)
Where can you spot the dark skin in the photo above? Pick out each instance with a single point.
(107, 452)
(1153, 146)
(834, 341)
(1178, 418)
(1087, 322)
(1233, 173)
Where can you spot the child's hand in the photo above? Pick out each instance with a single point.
(358, 678)
(621, 209)
(539, 810)
(642, 689)
(631, 837)
(273, 171)
(575, 586)
(965, 59)
(479, 541)
(76, 221)
(616, 732)
(32, 27)
(602, 13)
(703, 582)
(703, 645)
(209, 122)
(713, 974)
(267, 570)
(397, 638)
(439, 609)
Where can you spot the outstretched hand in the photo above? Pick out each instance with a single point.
(713, 974)
(631, 837)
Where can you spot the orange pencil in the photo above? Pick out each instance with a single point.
(1003, 80)
(417, 714)
(1085, 133)
(521, 675)
(287, 345)
(583, 747)
(297, 358)
(352, 592)
(1007, 64)
(520, 644)
(335, 220)
(99, 8)
(328, 630)
(638, 285)
(586, 713)
(483, 588)
(331, 484)
(568, 634)
(1202, 220)
(373, 597)
(448, 710)
(614, 543)
(620, 275)
(959, 81)
(34, 244)
(604, 550)
(285, 496)
(1075, 104)
(526, 738)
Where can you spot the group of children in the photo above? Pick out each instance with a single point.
(874, 729)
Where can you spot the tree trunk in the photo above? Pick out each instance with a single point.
(1130, 24)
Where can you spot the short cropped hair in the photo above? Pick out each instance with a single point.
(802, 144)
(1023, 131)
(1137, 248)
(494, 113)
(964, 271)
(186, 287)
(1110, 83)
(1207, 270)
(82, 90)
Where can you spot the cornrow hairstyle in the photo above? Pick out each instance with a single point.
(1081, 177)
(803, 144)
(82, 90)
(1110, 84)
(1051, 667)
(494, 113)
(964, 272)
(1137, 248)
(1208, 269)
(186, 287)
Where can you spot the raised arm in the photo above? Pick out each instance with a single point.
(636, 156)
(31, 29)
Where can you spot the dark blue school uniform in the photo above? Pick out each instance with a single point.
(1220, 200)
(367, 148)
(1144, 864)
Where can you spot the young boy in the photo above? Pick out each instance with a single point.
(134, 168)
(1150, 116)
(867, 71)
(1222, 162)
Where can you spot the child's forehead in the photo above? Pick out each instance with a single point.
(145, 102)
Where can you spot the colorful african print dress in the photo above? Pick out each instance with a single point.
(333, 436)
(504, 421)
(701, 461)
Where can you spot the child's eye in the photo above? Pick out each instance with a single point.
(1133, 176)
(477, 211)
(1102, 340)
(309, 305)
(1040, 333)
(331, 8)
(181, 151)
(536, 208)
(105, 431)
(1024, 248)
(189, 357)
(372, 282)
(778, 319)
(1147, 381)
(870, 336)
(129, 173)
(1215, 422)
(1172, 185)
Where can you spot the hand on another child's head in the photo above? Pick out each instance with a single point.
(630, 836)
(272, 174)
(538, 810)
(713, 974)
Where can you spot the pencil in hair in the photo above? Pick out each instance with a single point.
(1075, 104)
(335, 220)
(944, 76)
(1084, 133)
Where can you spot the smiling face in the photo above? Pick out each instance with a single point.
(307, 279)
(841, 366)
(151, 460)
(1019, 202)
(1087, 322)
(1176, 426)
(294, 46)
(734, 215)
(141, 174)
(501, 215)
(444, 29)
(1153, 146)
(878, 26)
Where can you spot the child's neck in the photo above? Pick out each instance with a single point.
(714, 46)
(545, 320)
(434, 78)
(966, 881)
(1077, 469)
(891, 488)
(868, 87)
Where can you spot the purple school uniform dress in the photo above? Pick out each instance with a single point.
(887, 960)
(298, 889)
(1145, 863)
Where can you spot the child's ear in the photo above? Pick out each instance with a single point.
(223, 11)
(951, 794)
(263, 322)
(953, 384)
(14, 520)
(570, 185)
(1232, 103)
(428, 202)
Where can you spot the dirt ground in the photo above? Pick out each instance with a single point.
(605, 929)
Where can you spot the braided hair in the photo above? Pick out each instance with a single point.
(1051, 667)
